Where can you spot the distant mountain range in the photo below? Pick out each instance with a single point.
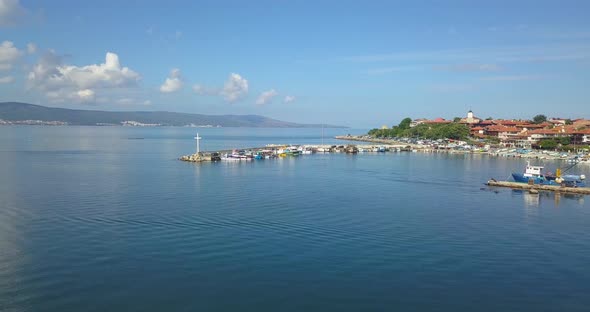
(22, 113)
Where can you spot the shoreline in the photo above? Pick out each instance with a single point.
(497, 152)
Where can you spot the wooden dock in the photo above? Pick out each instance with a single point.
(539, 187)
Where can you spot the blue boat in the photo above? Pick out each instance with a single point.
(534, 174)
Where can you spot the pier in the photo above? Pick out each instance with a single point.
(275, 150)
(539, 187)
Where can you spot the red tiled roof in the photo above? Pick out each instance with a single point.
(530, 126)
(505, 121)
(437, 120)
(501, 128)
(547, 131)
(581, 131)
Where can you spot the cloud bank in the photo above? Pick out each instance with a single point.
(62, 82)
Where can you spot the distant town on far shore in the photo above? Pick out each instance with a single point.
(539, 132)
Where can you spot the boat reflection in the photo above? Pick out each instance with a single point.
(535, 200)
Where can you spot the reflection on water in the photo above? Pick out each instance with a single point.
(534, 200)
(531, 200)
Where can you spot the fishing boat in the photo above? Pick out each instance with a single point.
(535, 175)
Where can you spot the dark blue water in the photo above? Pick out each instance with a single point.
(96, 219)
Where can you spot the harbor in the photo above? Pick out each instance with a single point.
(532, 178)
(287, 150)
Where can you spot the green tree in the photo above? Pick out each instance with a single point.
(569, 122)
(548, 144)
(405, 123)
(489, 118)
(539, 119)
(565, 140)
(456, 119)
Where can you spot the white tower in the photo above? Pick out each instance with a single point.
(198, 139)
(470, 115)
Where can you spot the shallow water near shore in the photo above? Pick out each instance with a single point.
(107, 219)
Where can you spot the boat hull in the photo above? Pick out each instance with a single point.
(568, 180)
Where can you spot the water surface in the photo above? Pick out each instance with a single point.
(106, 219)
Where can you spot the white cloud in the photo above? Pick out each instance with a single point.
(266, 97)
(79, 83)
(235, 88)
(11, 12)
(31, 48)
(289, 99)
(7, 79)
(173, 83)
(9, 54)
(86, 95)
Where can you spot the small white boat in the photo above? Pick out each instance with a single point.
(235, 157)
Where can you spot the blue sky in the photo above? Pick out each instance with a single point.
(357, 63)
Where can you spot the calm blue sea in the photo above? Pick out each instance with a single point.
(107, 219)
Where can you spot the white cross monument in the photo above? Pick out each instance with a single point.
(198, 138)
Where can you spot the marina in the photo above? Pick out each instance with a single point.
(378, 145)
(532, 178)
(285, 150)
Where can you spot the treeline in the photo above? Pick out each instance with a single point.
(453, 130)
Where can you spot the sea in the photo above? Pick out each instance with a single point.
(108, 219)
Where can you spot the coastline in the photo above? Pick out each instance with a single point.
(498, 152)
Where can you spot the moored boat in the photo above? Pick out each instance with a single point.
(534, 175)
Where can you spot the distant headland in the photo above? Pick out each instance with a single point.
(14, 113)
